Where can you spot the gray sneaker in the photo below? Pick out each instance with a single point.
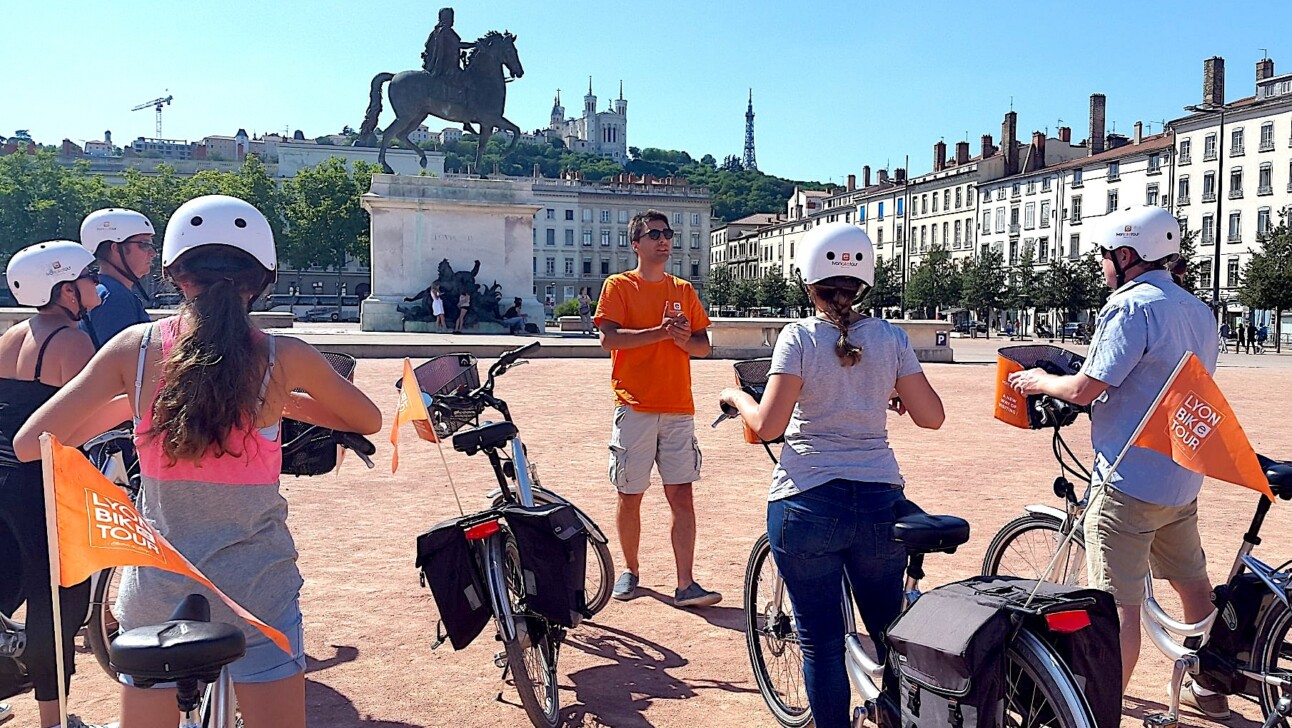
(625, 587)
(1214, 705)
(695, 596)
(6, 713)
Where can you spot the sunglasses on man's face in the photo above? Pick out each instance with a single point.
(666, 233)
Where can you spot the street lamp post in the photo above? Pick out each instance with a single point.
(1220, 185)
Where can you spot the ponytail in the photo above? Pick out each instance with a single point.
(836, 303)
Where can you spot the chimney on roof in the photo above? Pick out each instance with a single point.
(1098, 104)
(1139, 132)
(899, 175)
(1213, 81)
(1264, 69)
(865, 176)
(1065, 134)
(962, 152)
(852, 182)
(107, 135)
(988, 148)
(1009, 142)
(883, 176)
(939, 156)
(1038, 151)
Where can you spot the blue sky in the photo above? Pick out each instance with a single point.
(836, 84)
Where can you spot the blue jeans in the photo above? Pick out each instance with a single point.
(816, 537)
(516, 324)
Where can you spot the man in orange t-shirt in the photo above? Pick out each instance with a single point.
(652, 323)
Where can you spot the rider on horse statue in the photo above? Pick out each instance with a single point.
(443, 55)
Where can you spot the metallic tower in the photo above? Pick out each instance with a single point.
(749, 161)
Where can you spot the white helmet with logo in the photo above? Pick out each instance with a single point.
(113, 225)
(219, 220)
(1151, 231)
(35, 270)
(836, 249)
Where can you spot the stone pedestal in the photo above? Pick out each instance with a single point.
(419, 221)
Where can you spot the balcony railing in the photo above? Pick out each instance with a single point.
(1235, 237)
(1184, 199)
(1267, 146)
(1236, 193)
(1209, 156)
(1265, 190)
(1186, 159)
(1208, 196)
(1236, 151)
(1014, 228)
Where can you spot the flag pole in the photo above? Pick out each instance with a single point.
(51, 539)
(1111, 469)
(449, 472)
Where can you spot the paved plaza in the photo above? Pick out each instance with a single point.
(370, 626)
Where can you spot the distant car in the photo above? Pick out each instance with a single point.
(965, 327)
(328, 309)
(1076, 332)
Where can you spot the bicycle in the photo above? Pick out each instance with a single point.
(1040, 690)
(1247, 653)
(531, 640)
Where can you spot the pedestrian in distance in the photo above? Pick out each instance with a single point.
(437, 304)
(464, 305)
(585, 310)
(833, 380)
(208, 392)
(1251, 336)
(1242, 338)
(1146, 512)
(37, 357)
(652, 323)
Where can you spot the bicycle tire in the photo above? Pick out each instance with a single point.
(1040, 691)
(532, 662)
(1270, 644)
(775, 634)
(1015, 551)
(600, 571)
(102, 627)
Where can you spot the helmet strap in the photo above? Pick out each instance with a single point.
(80, 306)
(128, 274)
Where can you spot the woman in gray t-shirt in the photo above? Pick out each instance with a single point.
(830, 509)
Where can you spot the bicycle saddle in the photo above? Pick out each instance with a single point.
(485, 437)
(186, 646)
(1279, 475)
(920, 532)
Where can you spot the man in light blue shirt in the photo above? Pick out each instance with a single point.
(1146, 511)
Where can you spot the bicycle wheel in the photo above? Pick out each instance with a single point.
(532, 655)
(1272, 655)
(772, 638)
(601, 566)
(1040, 692)
(103, 625)
(1025, 546)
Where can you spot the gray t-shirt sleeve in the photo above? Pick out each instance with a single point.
(787, 357)
(907, 363)
(1120, 339)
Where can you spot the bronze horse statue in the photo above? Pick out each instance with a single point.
(478, 98)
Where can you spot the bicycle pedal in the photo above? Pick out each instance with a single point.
(858, 716)
(500, 660)
(1161, 720)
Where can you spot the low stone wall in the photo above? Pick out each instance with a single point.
(751, 338)
(263, 319)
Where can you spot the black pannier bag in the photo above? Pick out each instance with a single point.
(951, 647)
(553, 546)
(316, 456)
(1241, 604)
(448, 567)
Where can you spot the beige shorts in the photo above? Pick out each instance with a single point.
(641, 440)
(1125, 536)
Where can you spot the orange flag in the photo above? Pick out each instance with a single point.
(97, 527)
(411, 408)
(1194, 424)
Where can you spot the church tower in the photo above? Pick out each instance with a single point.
(621, 105)
(589, 102)
(749, 161)
(558, 113)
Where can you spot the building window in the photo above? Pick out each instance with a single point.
(1186, 152)
(1236, 143)
(923, 238)
(1204, 274)
(605, 267)
(551, 214)
(1045, 213)
(1208, 229)
(901, 208)
(677, 219)
(1265, 182)
(1000, 218)
(623, 238)
(677, 242)
(1043, 250)
(1015, 190)
(1182, 196)
(924, 204)
(587, 238)
(1029, 215)
(587, 267)
(1031, 187)
(1236, 183)
(569, 237)
(1209, 148)
(569, 215)
(957, 238)
(623, 217)
(551, 266)
(946, 233)
(1155, 164)
(881, 210)
(1045, 184)
(1013, 252)
(695, 241)
(605, 238)
(946, 199)
(1235, 227)
(1000, 193)
(1231, 274)
(1267, 136)
(1076, 177)
(959, 198)
(695, 269)
(1112, 200)
(880, 239)
(1114, 171)
(1262, 221)
(587, 214)
(551, 236)
(1151, 195)
(569, 267)
(861, 213)
(1074, 247)
(935, 202)
(986, 221)
(1076, 209)
(605, 217)
(695, 218)
(1209, 187)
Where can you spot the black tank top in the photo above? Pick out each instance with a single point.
(19, 400)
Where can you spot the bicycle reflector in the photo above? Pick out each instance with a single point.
(481, 531)
(1065, 622)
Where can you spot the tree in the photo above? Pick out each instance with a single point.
(731, 163)
(1188, 246)
(772, 290)
(43, 200)
(934, 283)
(798, 299)
(744, 295)
(1023, 284)
(886, 291)
(1060, 288)
(325, 223)
(1267, 277)
(719, 286)
(983, 284)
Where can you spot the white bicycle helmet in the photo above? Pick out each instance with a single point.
(1151, 231)
(835, 249)
(219, 220)
(35, 270)
(113, 225)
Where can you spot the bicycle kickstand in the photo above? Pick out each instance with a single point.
(1171, 718)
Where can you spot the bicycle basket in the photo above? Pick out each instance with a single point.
(751, 377)
(450, 374)
(343, 364)
(1015, 409)
(317, 455)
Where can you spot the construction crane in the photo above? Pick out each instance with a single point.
(156, 104)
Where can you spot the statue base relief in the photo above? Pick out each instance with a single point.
(419, 221)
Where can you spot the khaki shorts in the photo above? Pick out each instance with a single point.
(642, 439)
(1125, 535)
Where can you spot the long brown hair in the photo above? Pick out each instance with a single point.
(213, 372)
(836, 297)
